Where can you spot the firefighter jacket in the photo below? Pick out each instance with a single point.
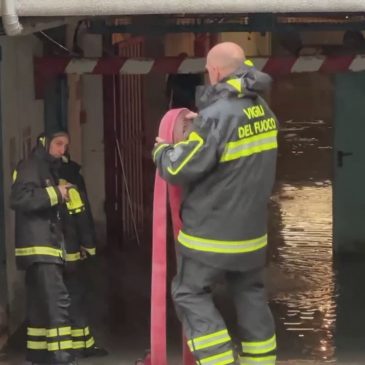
(78, 221)
(226, 168)
(37, 203)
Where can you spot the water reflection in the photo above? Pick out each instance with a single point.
(306, 316)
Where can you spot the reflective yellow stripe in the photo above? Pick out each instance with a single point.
(259, 347)
(266, 360)
(158, 149)
(229, 247)
(213, 339)
(15, 175)
(80, 332)
(249, 63)
(91, 251)
(54, 332)
(77, 345)
(62, 345)
(248, 140)
(76, 211)
(52, 346)
(193, 137)
(221, 359)
(36, 331)
(236, 84)
(249, 146)
(30, 251)
(62, 331)
(37, 345)
(43, 141)
(53, 197)
(75, 202)
(71, 257)
(90, 343)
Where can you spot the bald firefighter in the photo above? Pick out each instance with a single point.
(226, 168)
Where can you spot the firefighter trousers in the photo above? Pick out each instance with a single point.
(48, 326)
(82, 338)
(204, 327)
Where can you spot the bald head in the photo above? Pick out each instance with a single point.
(223, 59)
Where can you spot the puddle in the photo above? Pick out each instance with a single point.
(306, 316)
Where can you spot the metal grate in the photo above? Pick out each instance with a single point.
(130, 169)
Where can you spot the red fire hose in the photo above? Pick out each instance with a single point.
(170, 126)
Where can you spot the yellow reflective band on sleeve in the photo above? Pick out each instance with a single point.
(91, 251)
(193, 137)
(249, 63)
(249, 146)
(75, 202)
(77, 345)
(227, 247)
(236, 84)
(31, 251)
(15, 175)
(76, 256)
(266, 360)
(259, 347)
(72, 257)
(76, 211)
(158, 149)
(53, 197)
(80, 332)
(213, 339)
(220, 359)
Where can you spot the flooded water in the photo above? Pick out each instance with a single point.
(320, 310)
(306, 313)
(301, 231)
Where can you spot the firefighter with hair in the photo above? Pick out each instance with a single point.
(38, 200)
(226, 168)
(80, 239)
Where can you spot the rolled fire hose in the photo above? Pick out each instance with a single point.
(171, 128)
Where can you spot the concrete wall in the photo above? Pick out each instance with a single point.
(254, 44)
(22, 120)
(93, 137)
(176, 43)
(334, 37)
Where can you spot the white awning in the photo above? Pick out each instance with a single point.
(131, 7)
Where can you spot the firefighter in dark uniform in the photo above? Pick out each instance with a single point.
(226, 168)
(80, 240)
(38, 199)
